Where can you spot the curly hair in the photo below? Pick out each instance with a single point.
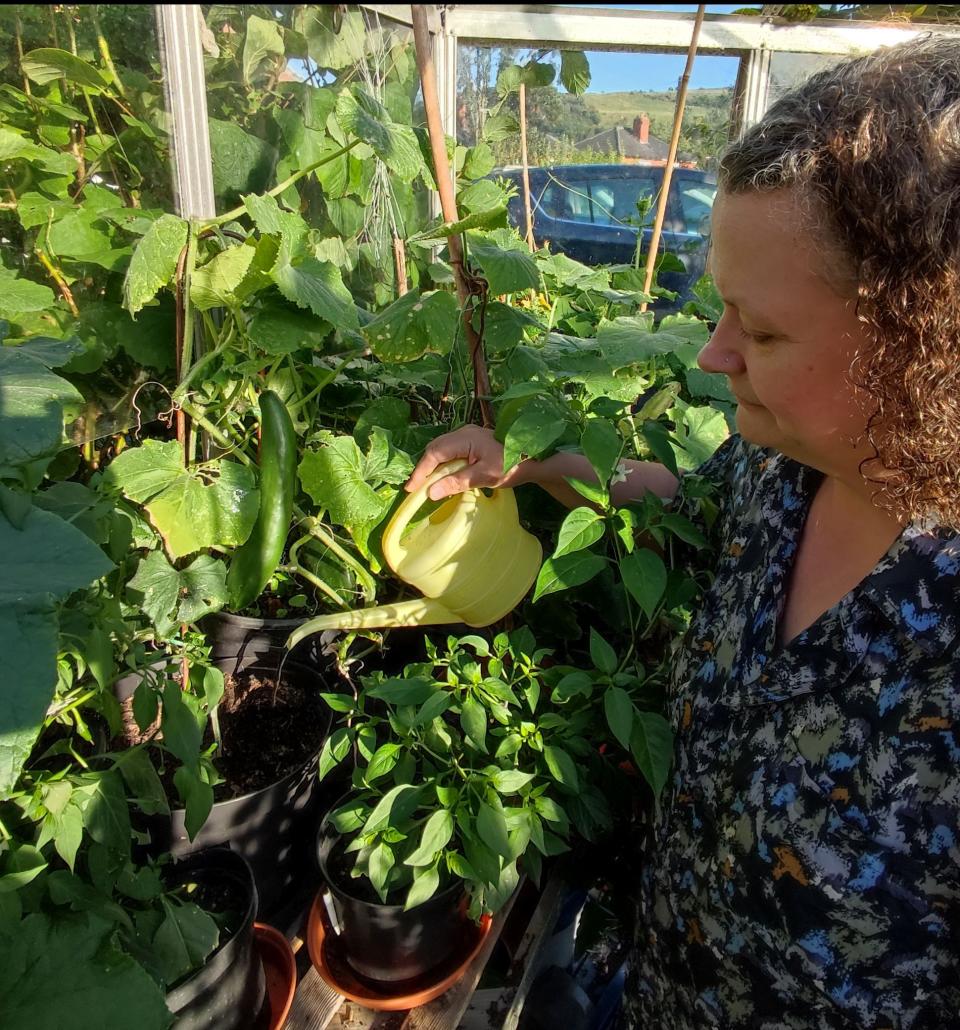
(872, 147)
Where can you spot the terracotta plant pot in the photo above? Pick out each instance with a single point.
(326, 954)
(280, 969)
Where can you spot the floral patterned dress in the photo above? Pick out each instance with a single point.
(802, 870)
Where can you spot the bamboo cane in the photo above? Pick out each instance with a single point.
(448, 203)
(672, 155)
(524, 164)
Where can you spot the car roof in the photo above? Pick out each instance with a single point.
(599, 169)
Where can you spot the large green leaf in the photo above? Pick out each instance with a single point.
(105, 814)
(184, 939)
(629, 339)
(214, 285)
(279, 330)
(172, 596)
(83, 236)
(28, 636)
(32, 401)
(507, 263)
(215, 504)
(190, 515)
(414, 324)
(316, 285)
(14, 146)
(57, 973)
(645, 576)
(47, 64)
(143, 472)
(47, 556)
(538, 426)
(263, 42)
(581, 528)
(396, 145)
(335, 39)
(270, 218)
(574, 71)
(601, 444)
(571, 570)
(21, 296)
(242, 163)
(651, 744)
(700, 432)
(334, 476)
(154, 261)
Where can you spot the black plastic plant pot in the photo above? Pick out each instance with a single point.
(383, 943)
(272, 827)
(254, 641)
(229, 991)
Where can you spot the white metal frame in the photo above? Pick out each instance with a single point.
(179, 27)
(753, 39)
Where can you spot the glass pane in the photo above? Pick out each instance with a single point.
(272, 86)
(789, 70)
(85, 173)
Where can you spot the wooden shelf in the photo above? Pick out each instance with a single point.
(317, 1006)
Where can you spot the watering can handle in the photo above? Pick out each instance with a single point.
(393, 550)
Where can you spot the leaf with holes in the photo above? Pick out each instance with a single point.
(413, 325)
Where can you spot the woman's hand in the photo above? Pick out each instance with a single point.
(484, 468)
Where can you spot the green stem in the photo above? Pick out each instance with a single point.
(238, 212)
(295, 569)
(186, 356)
(196, 369)
(227, 444)
(81, 700)
(105, 51)
(320, 531)
(333, 373)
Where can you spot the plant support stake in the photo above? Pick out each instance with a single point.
(524, 164)
(671, 155)
(448, 203)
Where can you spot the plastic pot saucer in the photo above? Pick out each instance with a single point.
(280, 971)
(336, 973)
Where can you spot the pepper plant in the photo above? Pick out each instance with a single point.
(464, 770)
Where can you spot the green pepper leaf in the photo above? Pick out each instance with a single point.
(618, 709)
(437, 832)
(581, 528)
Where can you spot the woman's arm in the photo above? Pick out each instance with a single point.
(484, 456)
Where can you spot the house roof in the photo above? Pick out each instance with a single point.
(622, 142)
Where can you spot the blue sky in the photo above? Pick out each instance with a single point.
(614, 73)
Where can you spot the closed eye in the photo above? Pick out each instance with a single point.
(756, 337)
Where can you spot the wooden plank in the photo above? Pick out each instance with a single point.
(314, 1004)
(444, 1013)
(539, 932)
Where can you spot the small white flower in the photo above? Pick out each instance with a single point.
(620, 474)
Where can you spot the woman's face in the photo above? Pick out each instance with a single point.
(786, 339)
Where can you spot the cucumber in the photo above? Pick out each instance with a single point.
(255, 561)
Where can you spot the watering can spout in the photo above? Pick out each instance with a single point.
(470, 558)
(422, 611)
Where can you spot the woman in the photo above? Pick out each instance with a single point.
(803, 870)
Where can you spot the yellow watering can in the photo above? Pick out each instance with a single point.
(471, 559)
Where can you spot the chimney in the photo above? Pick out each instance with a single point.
(641, 128)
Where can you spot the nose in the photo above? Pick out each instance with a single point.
(722, 352)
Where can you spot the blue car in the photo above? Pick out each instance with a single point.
(585, 212)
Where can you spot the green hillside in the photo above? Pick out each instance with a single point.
(709, 105)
